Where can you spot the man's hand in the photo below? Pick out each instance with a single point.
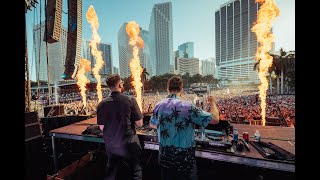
(213, 110)
(152, 126)
(211, 99)
(139, 123)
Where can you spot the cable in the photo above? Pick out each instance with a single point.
(154, 148)
(33, 52)
(48, 74)
(149, 158)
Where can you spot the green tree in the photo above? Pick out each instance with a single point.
(127, 83)
(283, 65)
(186, 79)
(197, 78)
(210, 79)
(144, 77)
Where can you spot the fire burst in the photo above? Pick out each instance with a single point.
(266, 15)
(82, 80)
(94, 24)
(133, 31)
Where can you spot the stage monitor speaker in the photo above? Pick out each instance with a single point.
(74, 39)
(54, 17)
(53, 110)
(273, 121)
(35, 160)
(30, 117)
(32, 126)
(241, 118)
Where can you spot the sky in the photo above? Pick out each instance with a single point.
(193, 20)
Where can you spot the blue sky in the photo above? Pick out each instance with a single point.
(193, 20)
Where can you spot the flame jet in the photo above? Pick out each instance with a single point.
(267, 13)
(94, 24)
(82, 79)
(133, 31)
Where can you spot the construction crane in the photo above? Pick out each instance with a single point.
(27, 93)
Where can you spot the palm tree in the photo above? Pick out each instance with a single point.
(144, 77)
(282, 64)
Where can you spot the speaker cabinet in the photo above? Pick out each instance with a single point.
(32, 128)
(54, 110)
(34, 156)
(53, 29)
(35, 160)
(74, 38)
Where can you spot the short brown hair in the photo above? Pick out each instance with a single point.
(175, 84)
(112, 80)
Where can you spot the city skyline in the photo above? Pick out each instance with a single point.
(194, 27)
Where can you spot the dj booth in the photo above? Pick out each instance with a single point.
(283, 137)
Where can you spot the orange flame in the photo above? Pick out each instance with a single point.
(133, 31)
(94, 24)
(266, 15)
(82, 79)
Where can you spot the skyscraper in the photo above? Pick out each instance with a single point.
(106, 50)
(190, 65)
(236, 45)
(56, 54)
(186, 50)
(124, 52)
(115, 70)
(86, 50)
(161, 41)
(207, 67)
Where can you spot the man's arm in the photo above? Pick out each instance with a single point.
(213, 110)
(101, 116)
(139, 123)
(154, 119)
(136, 115)
(153, 126)
(101, 127)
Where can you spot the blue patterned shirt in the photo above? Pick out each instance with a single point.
(175, 120)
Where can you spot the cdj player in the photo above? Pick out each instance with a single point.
(214, 139)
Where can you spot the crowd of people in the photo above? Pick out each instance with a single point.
(240, 101)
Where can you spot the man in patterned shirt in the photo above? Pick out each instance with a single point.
(175, 121)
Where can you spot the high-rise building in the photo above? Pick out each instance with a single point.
(161, 39)
(56, 54)
(86, 50)
(106, 50)
(207, 66)
(236, 45)
(124, 52)
(190, 65)
(86, 54)
(115, 70)
(186, 50)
